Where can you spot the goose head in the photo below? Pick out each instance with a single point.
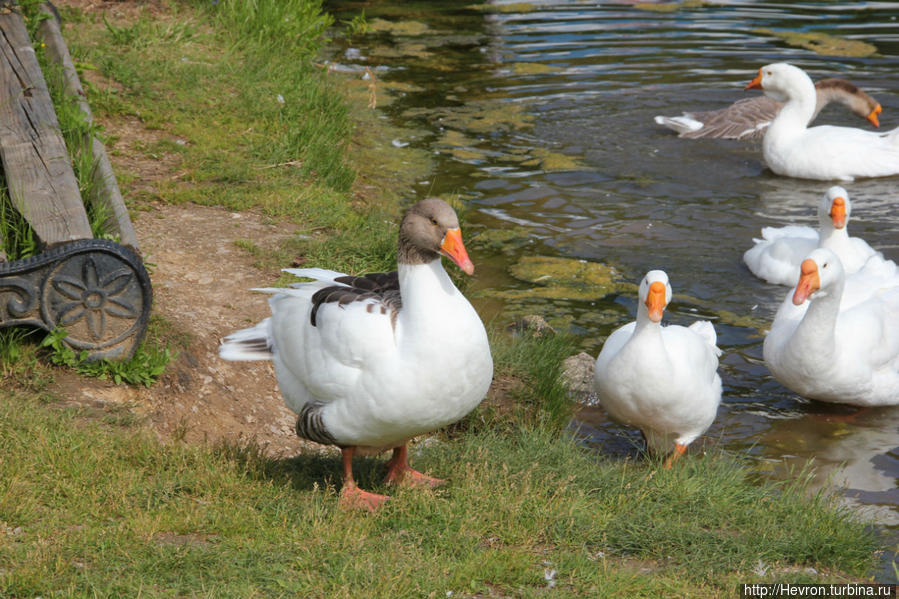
(821, 274)
(655, 293)
(782, 81)
(834, 209)
(430, 229)
(847, 93)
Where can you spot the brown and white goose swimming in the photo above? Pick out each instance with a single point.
(748, 119)
(369, 362)
(791, 148)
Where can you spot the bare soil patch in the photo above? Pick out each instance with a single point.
(201, 285)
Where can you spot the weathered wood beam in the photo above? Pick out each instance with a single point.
(107, 193)
(38, 171)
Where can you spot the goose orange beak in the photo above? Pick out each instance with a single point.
(808, 281)
(838, 212)
(755, 83)
(872, 116)
(655, 301)
(453, 248)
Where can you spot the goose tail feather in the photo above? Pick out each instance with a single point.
(255, 343)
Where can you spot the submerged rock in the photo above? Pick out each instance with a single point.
(533, 325)
(577, 374)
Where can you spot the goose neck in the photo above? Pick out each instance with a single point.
(424, 287)
(818, 326)
(831, 237)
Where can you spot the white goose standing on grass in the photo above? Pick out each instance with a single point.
(663, 380)
(749, 118)
(776, 257)
(839, 355)
(793, 149)
(369, 362)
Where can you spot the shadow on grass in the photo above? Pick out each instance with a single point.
(306, 471)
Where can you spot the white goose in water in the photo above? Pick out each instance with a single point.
(663, 380)
(749, 118)
(776, 257)
(369, 362)
(832, 353)
(793, 149)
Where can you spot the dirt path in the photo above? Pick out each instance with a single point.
(201, 283)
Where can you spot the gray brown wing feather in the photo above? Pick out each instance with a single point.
(738, 121)
(381, 289)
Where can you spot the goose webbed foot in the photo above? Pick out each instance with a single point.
(351, 496)
(399, 472)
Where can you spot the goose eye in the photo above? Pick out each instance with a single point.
(433, 221)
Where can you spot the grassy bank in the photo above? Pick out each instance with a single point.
(93, 505)
(101, 509)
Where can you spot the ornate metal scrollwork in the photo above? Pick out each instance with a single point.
(97, 290)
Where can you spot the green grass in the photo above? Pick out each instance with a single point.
(528, 390)
(211, 74)
(143, 368)
(94, 509)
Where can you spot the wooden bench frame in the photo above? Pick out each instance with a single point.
(98, 290)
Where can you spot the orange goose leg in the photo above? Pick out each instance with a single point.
(679, 450)
(400, 472)
(352, 496)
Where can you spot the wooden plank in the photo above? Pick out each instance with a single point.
(107, 193)
(38, 172)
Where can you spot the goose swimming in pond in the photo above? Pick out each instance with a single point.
(662, 380)
(836, 354)
(368, 362)
(747, 119)
(776, 257)
(793, 149)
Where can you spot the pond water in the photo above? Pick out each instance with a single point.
(540, 119)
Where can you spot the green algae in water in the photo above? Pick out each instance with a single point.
(671, 6)
(401, 50)
(565, 278)
(400, 86)
(518, 7)
(553, 161)
(506, 240)
(533, 68)
(478, 117)
(823, 43)
(460, 147)
(484, 116)
(399, 27)
(456, 139)
(467, 155)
